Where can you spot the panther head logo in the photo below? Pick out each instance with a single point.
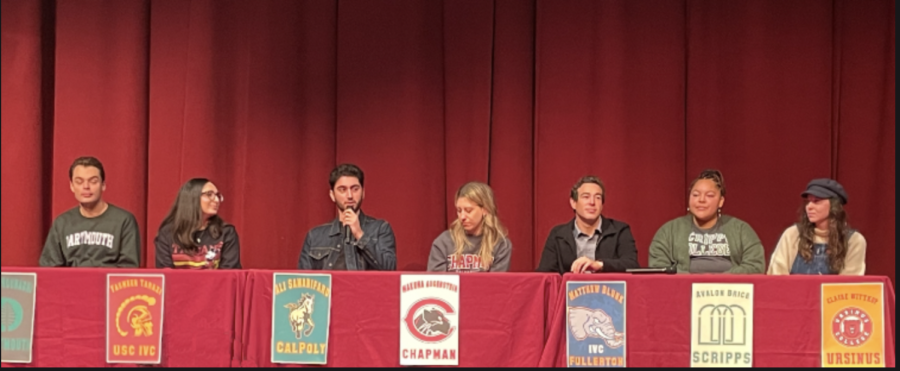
(432, 322)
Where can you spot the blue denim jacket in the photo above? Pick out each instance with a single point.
(377, 250)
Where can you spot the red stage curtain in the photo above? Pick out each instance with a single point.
(25, 211)
(264, 98)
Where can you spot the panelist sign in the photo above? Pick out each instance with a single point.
(17, 325)
(852, 325)
(301, 312)
(429, 320)
(595, 324)
(134, 318)
(722, 325)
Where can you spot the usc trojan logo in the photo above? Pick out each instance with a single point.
(851, 326)
(138, 316)
(427, 320)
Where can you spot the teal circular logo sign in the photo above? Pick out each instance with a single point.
(10, 315)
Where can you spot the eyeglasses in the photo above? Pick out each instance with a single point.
(213, 196)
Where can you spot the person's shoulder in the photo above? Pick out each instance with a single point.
(677, 222)
(166, 227)
(857, 238)
(790, 236)
(320, 227)
(734, 222)
(68, 215)
(559, 229)
(165, 230)
(378, 221)
(66, 219)
(736, 227)
(119, 213)
(444, 238)
(228, 228)
(319, 231)
(792, 230)
(617, 224)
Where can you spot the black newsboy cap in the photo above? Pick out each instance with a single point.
(826, 188)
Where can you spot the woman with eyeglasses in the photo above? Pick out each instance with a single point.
(193, 236)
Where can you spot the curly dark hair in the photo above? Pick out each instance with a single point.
(838, 233)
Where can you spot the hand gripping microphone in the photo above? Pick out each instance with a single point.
(348, 235)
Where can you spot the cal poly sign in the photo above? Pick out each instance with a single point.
(301, 312)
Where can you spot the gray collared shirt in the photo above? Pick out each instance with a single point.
(587, 245)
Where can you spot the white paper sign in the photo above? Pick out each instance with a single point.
(722, 325)
(429, 320)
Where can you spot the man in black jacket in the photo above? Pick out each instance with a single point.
(353, 241)
(589, 242)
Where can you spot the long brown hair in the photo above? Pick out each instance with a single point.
(838, 233)
(492, 230)
(186, 216)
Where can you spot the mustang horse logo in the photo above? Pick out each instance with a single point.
(300, 315)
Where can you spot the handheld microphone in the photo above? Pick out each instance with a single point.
(348, 235)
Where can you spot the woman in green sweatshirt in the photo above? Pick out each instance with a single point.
(705, 241)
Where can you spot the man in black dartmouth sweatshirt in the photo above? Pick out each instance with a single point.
(95, 233)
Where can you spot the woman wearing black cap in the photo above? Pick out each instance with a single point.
(822, 241)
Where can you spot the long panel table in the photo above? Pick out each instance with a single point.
(223, 318)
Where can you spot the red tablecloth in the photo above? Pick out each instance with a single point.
(223, 318)
(787, 318)
(202, 309)
(501, 320)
